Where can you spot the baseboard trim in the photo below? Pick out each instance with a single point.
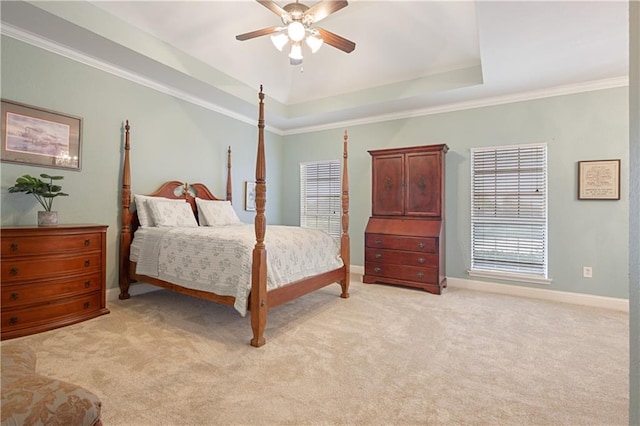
(488, 287)
(355, 269)
(544, 294)
(134, 290)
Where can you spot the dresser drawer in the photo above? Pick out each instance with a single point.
(50, 312)
(398, 242)
(399, 257)
(43, 291)
(21, 269)
(45, 245)
(400, 272)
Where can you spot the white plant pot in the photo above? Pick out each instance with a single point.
(47, 218)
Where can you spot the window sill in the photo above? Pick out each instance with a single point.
(523, 278)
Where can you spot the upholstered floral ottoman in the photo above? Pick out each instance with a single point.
(29, 398)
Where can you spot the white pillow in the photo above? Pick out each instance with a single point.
(216, 213)
(170, 214)
(144, 211)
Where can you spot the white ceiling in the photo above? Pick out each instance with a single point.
(411, 57)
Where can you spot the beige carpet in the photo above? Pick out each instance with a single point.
(387, 355)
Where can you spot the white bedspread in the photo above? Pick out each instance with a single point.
(218, 259)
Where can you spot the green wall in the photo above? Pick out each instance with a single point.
(192, 141)
(170, 140)
(585, 126)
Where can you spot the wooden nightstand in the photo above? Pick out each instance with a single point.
(51, 277)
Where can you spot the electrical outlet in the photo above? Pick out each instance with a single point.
(587, 272)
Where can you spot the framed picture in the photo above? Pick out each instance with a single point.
(39, 137)
(599, 180)
(250, 196)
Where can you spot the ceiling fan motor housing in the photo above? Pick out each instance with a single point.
(296, 12)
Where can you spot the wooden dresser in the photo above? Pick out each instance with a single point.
(51, 277)
(404, 238)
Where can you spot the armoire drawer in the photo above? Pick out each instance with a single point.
(399, 242)
(48, 290)
(20, 269)
(50, 312)
(402, 272)
(400, 257)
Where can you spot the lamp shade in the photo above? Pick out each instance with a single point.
(314, 43)
(279, 40)
(296, 52)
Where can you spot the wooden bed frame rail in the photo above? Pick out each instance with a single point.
(260, 300)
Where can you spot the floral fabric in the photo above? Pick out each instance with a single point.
(218, 259)
(216, 213)
(144, 210)
(170, 214)
(29, 398)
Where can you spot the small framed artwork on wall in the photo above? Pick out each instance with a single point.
(599, 180)
(40, 137)
(250, 196)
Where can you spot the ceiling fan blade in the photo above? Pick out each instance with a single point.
(273, 7)
(258, 33)
(325, 8)
(336, 41)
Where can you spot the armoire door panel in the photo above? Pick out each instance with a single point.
(422, 195)
(388, 185)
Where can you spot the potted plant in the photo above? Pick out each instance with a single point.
(44, 192)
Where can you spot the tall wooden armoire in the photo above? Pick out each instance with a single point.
(404, 238)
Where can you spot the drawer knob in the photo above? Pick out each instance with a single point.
(87, 263)
(421, 244)
(421, 260)
(14, 247)
(378, 241)
(86, 305)
(87, 284)
(87, 242)
(420, 275)
(13, 320)
(13, 271)
(377, 269)
(378, 255)
(14, 296)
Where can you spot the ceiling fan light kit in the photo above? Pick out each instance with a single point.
(298, 19)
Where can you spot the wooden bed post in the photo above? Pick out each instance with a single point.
(229, 175)
(125, 233)
(344, 239)
(258, 297)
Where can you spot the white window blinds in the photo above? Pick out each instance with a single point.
(509, 210)
(320, 196)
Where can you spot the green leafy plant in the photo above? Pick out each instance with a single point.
(44, 192)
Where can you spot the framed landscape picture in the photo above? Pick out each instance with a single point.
(40, 137)
(599, 180)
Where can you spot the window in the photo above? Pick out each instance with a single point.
(321, 195)
(509, 212)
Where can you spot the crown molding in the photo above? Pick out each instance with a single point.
(609, 83)
(80, 57)
(85, 59)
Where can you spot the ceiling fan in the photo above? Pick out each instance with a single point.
(298, 20)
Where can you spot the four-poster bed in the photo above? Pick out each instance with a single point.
(262, 294)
